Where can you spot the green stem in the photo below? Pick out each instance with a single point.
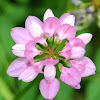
(5, 91)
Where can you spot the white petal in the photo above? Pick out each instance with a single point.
(48, 14)
(77, 52)
(86, 37)
(66, 18)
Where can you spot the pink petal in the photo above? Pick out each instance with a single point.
(89, 68)
(49, 89)
(66, 31)
(79, 64)
(41, 39)
(34, 25)
(17, 67)
(19, 47)
(77, 86)
(76, 42)
(70, 76)
(31, 51)
(28, 75)
(49, 72)
(38, 66)
(77, 52)
(84, 65)
(48, 14)
(49, 61)
(50, 25)
(20, 35)
(66, 18)
(66, 52)
(18, 53)
(18, 50)
(86, 37)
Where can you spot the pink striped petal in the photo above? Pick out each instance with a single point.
(70, 76)
(38, 66)
(48, 14)
(49, 89)
(30, 50)
(20, 35)
(89, 68)
(66, 52)
(86, 37)
(18, 53)
(77, 52)
(34, 25)
(49, 61)
(49, 72)
(17, 67)
(76, 42)
(50, 25)
(18, 50)
(66, 31)
(28, 75)
(79, 64)
(67, 18)
(41, 39)
(85, 66)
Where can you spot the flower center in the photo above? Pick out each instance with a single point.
(51, 49)
(51, 52)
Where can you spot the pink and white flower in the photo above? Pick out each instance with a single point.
(39, 45)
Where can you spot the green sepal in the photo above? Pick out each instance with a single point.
(41, 46)
(48, 42)
(58, 73)
(64, 63)
(38, 47)
(61, 45)
(40, 57)
(60, 57)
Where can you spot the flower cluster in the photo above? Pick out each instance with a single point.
(43, 46)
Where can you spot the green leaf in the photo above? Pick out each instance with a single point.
(65, 92)
(31, 94)
(5, 90)
(93, 90)
(40, 97)
(97, 60)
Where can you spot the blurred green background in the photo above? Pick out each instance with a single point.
(13, 14)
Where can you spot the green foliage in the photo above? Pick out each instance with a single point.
(64, 92)
(94, 87)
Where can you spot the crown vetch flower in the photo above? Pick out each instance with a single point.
(50, 44)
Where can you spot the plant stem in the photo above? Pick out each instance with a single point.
(5, 91)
